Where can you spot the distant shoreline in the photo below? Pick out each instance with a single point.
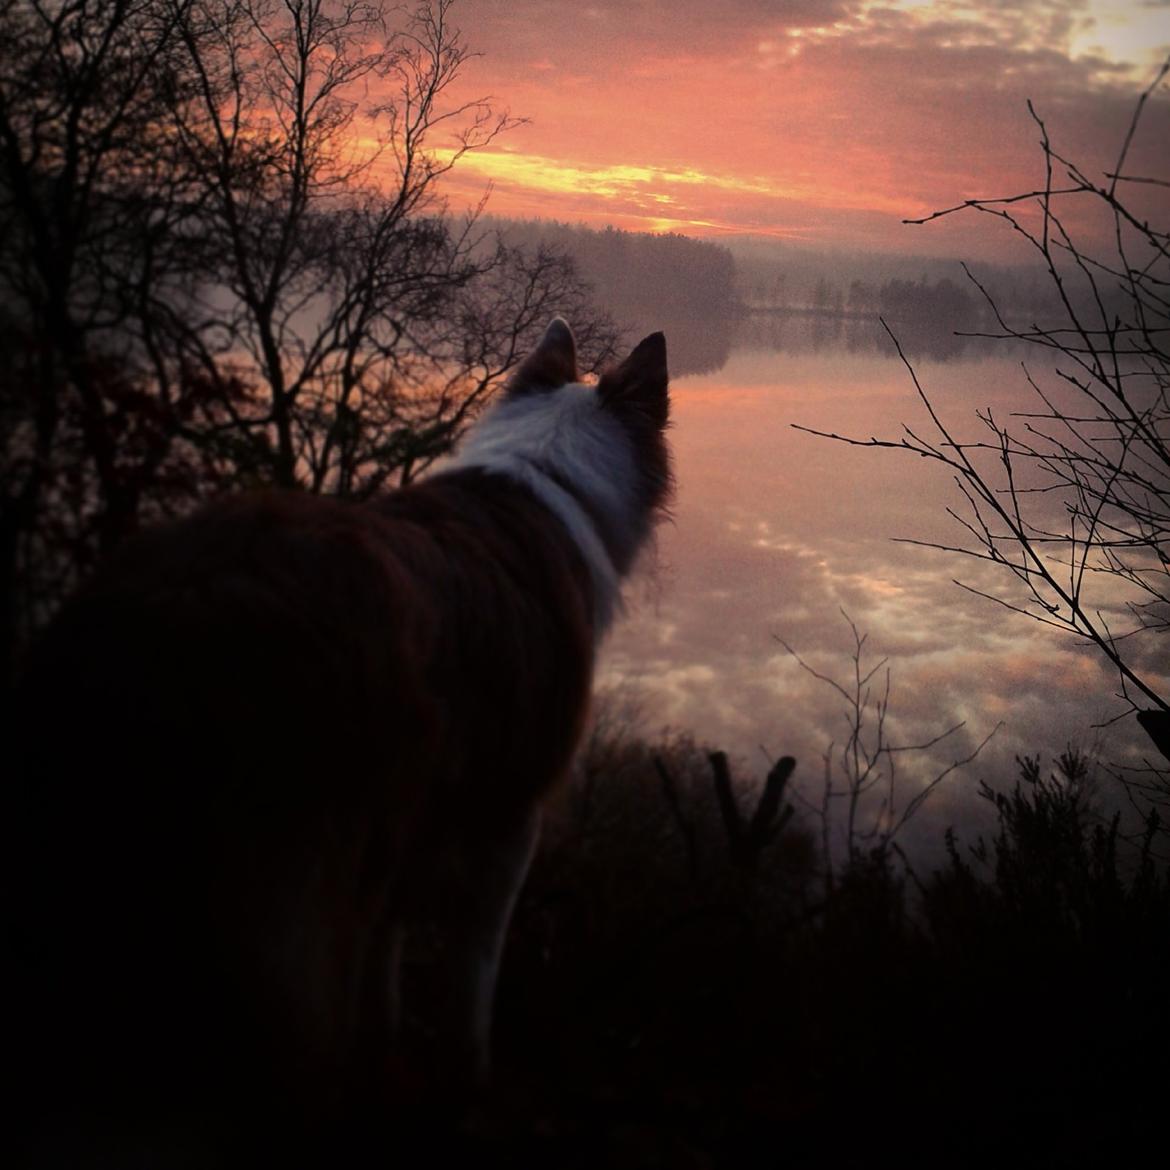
(809, 311)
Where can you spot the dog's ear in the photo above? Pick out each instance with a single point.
(551, 365)
(639, 383)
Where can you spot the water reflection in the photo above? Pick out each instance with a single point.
(775, 532)
(931, 337)
(704, 344)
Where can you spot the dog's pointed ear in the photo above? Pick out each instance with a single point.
(639, 383)
(551, 365)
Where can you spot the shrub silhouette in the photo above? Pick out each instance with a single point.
(664, 1004)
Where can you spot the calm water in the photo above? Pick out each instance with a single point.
(776, 532)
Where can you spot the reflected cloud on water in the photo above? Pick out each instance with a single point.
(776, 532)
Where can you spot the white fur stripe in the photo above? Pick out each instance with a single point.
(606, 585)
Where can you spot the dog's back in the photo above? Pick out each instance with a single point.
(261, 741)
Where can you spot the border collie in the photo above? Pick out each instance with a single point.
(266, 739)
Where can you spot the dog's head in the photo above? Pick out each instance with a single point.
(603, 444)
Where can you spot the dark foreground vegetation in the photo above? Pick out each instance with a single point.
(674, 998)
(688, 984)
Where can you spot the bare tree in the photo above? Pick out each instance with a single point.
(1070, 499)
(307, 123)
(225, 261)
(861, 774)
(81, 89)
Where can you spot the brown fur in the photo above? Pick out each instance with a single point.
(254, 746)
(211, 725)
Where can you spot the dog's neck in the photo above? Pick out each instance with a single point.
(557, 493)
(575, 460)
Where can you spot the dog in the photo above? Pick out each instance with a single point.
(265, 741)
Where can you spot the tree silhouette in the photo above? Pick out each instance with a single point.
(224, 261)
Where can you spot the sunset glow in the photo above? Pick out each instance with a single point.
(827, 121)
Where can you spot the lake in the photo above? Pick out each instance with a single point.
(776, 532)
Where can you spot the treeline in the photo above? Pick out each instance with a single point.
(796, 277)
(922, 301)
(908, 300)
(930, 311)
(921, 292)
(686, 287)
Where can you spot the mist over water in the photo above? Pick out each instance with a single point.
(775, 532)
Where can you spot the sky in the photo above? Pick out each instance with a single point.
(820, 121)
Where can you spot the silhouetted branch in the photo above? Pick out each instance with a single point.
(225, 261)
(685, 823)
(867, 762)
(748, 839)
